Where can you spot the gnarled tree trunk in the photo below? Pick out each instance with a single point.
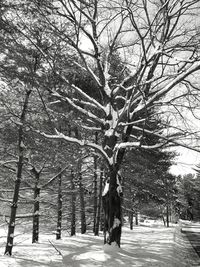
(112, 208)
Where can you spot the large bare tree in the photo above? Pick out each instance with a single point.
(158, 46)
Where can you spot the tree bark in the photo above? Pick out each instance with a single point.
(167, 215)
(59, 207)
(95, 187)
(112, 198)
(35, 232)
(73, 205)
(131, 220)
(167, 203)
(164, 222)
(98, 217)
(11, 225)
(136, 217)
(102, 218)
(95, 194)
(82, 204)
(112, 209)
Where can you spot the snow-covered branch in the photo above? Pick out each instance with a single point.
(83, 94)
(82, 143)
(78, 108)
(137, 144)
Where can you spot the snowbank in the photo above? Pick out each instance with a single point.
(145, 246)
(183, 251)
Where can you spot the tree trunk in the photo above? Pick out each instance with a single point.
(98, 217)
(136, 217)
(82, 204)
(112, 209)
(59, 207)
(11, 225)
(167, 215)
(95, 193)
(102, 217)
(35, 232)
(164, 222)
(112, 197)
(131, 220)
(167, 204)
(73, 206)
(95, 186)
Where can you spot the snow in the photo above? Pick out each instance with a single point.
(116, 223)
(111, 248)
(147, 245)
(106, 189)
(119, 187)
(109, 132)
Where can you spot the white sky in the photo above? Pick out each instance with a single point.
(187, 160)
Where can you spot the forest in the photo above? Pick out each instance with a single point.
(95, 98)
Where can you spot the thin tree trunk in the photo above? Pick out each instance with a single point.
(35, 232)
(95, 186)
(102, 217)
(136, 217)
(81, 189)
(73, 205)
(167, 206)
(121, 181)
(11, 225)
(167, 215)
(98, 217)
(82, 204)
(164, 222)
(131, 220)
(59, 207)
(95, 193)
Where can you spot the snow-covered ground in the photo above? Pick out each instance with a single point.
(146, 245)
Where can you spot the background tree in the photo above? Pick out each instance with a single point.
(11, 226)
(146, 181)
(188, 197)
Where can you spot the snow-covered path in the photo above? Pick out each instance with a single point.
(144, 246)
(141, 247)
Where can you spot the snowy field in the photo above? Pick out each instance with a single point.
(147, 245)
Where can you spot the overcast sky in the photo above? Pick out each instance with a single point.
(185, 162)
